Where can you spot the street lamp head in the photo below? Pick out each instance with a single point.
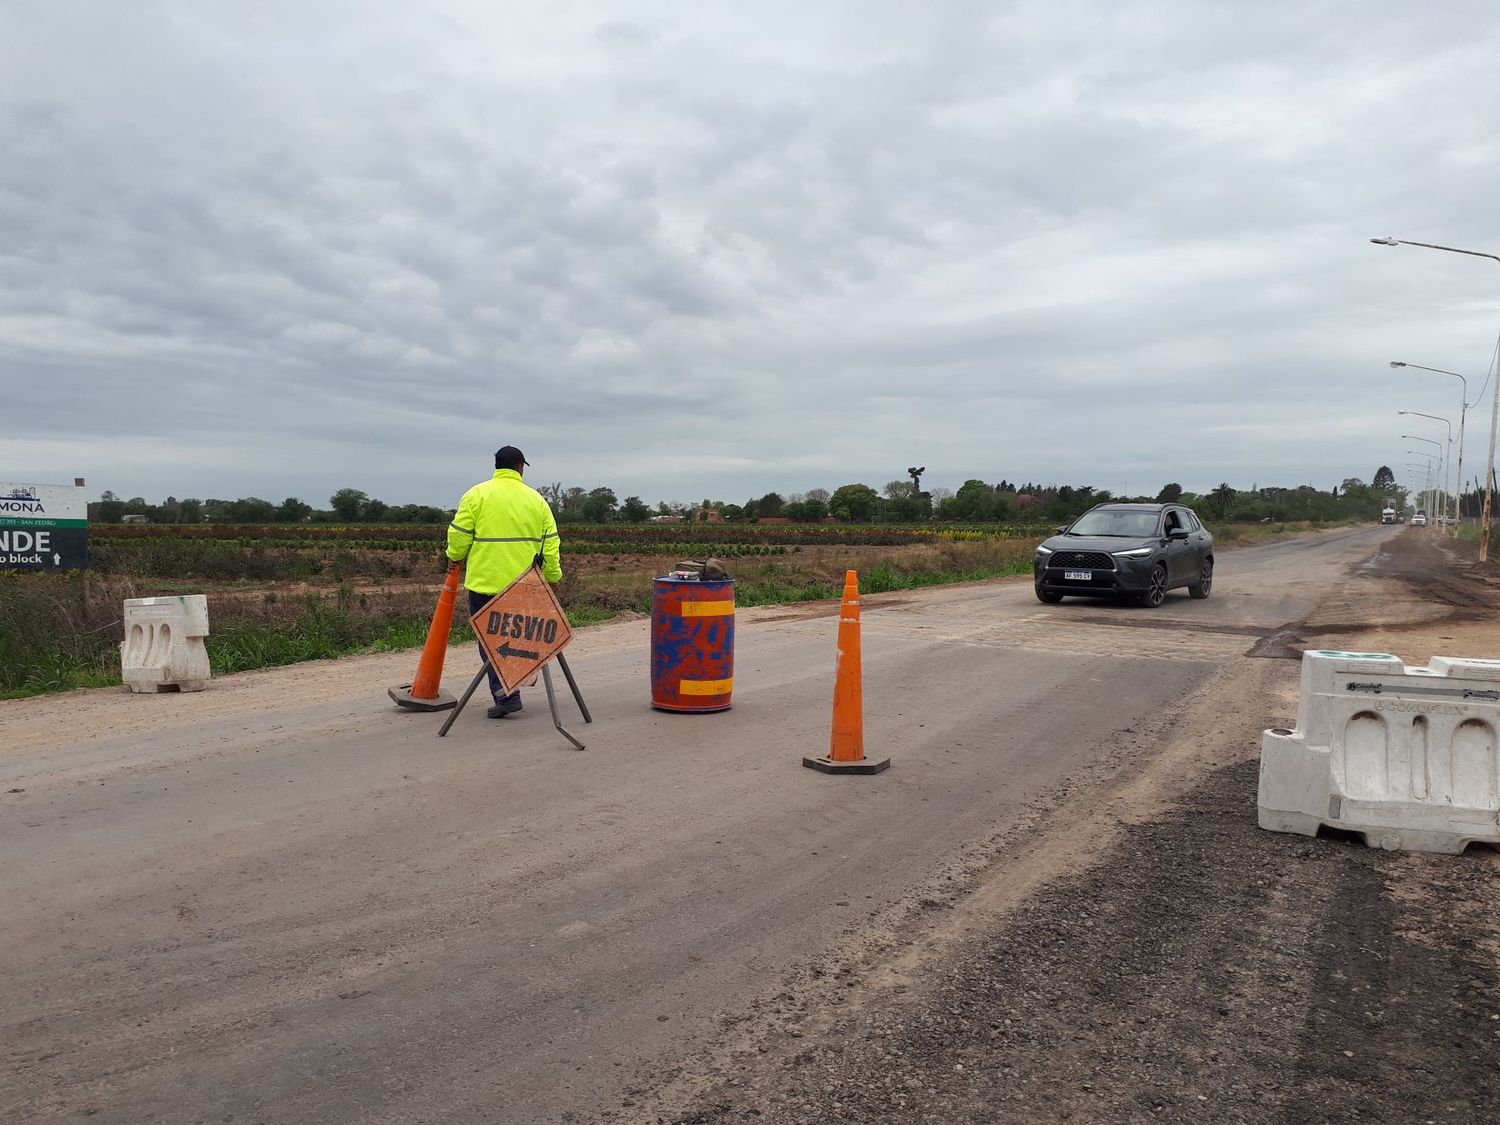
(1397, 363)
(1386, 241)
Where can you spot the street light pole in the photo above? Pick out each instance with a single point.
(1422, 471)
(1463, 413)
(1447, 453)
(1431, 481)
(1489, 472)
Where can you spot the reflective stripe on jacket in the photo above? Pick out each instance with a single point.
(501, 525)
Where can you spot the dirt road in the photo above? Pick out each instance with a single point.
(283, 901)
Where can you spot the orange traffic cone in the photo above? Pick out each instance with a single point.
(846, 750)
(424, 693)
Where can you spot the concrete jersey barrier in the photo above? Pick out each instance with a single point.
(1406, 757)
(163, 648)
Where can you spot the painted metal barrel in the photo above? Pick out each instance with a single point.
(692, 644)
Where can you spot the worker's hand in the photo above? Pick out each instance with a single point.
(450, 564)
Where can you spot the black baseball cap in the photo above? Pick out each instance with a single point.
(508, 456)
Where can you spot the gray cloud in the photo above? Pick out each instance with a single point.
(685, 252)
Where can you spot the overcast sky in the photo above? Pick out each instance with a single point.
(693, 250)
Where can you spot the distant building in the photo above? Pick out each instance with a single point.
(708, 515)
(134, 519)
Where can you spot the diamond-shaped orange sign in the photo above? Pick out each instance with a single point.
(521, 628)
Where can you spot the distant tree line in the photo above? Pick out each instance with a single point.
(900, 501)
(347, 505)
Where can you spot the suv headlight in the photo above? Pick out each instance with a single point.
(1040, 551)
(1138, 553)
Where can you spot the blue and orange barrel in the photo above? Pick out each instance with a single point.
(692, 644)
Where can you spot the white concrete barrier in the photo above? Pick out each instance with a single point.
(163, 648)
(1406, 757)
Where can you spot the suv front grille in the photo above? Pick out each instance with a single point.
(1086, 560)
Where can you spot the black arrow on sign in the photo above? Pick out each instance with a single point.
(520, 653)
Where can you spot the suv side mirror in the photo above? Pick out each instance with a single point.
(1062, 527)
(1178, 533)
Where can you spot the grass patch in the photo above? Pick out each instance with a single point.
(58, 632)
(583, 615)
(52, 639)
(323, 632)
(1249, 534)
(941, 565)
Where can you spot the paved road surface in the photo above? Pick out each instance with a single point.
(283, 902)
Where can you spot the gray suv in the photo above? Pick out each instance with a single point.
(1127, 550)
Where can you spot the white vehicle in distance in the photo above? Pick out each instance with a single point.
(1419, 520)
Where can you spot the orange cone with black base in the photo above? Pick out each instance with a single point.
(425, 693)
(846, 749)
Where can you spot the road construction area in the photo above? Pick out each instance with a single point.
(284, 900)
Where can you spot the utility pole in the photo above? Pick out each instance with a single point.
(1489, 475)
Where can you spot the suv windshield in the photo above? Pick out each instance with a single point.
(1124, 525)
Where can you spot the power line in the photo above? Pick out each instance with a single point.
(1488, 371)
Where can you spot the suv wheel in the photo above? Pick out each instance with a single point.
(1200, 588)
(1156, 593)
(1050, 597)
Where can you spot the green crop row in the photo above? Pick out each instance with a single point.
(273, 552)
(665, 537)
(231, 561)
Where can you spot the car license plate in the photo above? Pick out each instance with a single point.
(1078, 575)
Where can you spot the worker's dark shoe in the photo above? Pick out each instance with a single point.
(500, 710)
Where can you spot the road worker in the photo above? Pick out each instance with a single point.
(501, 529)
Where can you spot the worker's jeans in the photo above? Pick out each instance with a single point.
(476, 600)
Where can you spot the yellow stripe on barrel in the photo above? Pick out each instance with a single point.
(705, 687)
(708, 609)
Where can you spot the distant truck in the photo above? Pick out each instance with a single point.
(1388, 514)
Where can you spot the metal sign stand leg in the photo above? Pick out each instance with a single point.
(479, 678)
(552, 703)
(562, 662)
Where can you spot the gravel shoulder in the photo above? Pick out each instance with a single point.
(1204, 971)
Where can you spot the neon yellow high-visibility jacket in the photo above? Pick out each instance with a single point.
(501, 525)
